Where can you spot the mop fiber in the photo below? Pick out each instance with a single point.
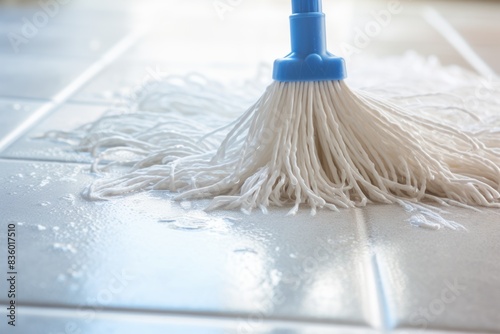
(321, 144)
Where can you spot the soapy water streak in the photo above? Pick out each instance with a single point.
(424, 136)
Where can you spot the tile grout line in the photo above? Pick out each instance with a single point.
(457, 41)
(44, 161)
(176, 315)
(386, 312)
(180, 317)
(12, 98)
(376, 299)
(62, 96)
(83, 102)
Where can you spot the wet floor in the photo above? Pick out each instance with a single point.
(148, 263)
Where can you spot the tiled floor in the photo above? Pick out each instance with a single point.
(147, 264)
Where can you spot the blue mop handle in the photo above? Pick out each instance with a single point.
(307, 28)
(306, 6)
(309, 59)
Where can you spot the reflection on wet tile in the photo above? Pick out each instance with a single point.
(156, 254)
(444, 278)
(147, 262)
(102, 321)
(37, 77)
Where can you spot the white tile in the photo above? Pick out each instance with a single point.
(146, 252)
(118, 81)
(66, 33)
(95, 321)
(33, 76)
(119, 258)
(13, 112)
(66, 118)
(440, 279)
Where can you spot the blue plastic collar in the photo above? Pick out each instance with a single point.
(309, 59)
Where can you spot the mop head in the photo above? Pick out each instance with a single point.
(321, 144)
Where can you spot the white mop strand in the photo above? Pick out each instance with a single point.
(318, 143)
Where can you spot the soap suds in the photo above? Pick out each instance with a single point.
(429, 217)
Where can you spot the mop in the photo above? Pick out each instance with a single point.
(308, 140)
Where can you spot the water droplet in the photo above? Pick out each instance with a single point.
(44, 182)
(185, 223)
(277, 249)
(20, 223)
(67, 248)
(68, 179)
(197, 220)
(55, 228)
(41, 228)
(70, 198)
(75, 273)
(408, 207)
(293, 256)
(422, 222)
(275, 276)
(245, 250)
(246, 211)
(16, 106)
(44, 203)
(232, 220)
